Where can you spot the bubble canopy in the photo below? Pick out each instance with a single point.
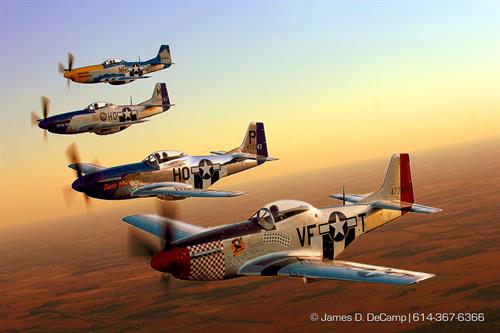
(98, 105)
(278, 211)
(162, 156)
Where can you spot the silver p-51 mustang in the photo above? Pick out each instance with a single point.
(288, 237)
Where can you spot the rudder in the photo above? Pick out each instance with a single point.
(255, 140)
(164, 55)
(160, 97)
(397, 184)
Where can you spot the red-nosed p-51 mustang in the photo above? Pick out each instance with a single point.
(170, 174)
(287, 238)
(116, 71)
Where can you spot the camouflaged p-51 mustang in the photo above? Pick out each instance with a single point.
(288, 237)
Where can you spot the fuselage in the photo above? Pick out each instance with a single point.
(220, 252)
(96, 115)
(110, 71)
(118, 183)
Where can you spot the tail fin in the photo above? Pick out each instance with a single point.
(164, 55)
(159, 98)
(397, 184)
(396, 192)
(254, 142)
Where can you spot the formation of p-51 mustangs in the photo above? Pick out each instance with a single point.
(285, 237)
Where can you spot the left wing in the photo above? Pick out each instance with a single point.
(156, 225)
(118, 78)
(310, 265)
(86, 168)
(180, 190)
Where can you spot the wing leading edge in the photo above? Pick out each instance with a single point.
(309, 265)
(180, 190)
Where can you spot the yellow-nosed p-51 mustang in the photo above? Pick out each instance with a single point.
(102, 118)
(286, 238)
(116, 71)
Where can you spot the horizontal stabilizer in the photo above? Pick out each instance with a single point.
(86, 168)
(180, 190)
(354, 198)
(246, 156)
(156, 225)
(407, 207)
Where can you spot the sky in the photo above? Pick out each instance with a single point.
(333, 81)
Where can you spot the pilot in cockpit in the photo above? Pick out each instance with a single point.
(277, 216)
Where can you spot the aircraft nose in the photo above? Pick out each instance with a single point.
(163, 261)
(79, 185)
(68, 74)
(43, 124)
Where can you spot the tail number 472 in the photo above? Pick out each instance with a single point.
(401, 189)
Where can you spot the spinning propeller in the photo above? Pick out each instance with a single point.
(62, 70)
(142, 245)
(74, 158)
(35, 118)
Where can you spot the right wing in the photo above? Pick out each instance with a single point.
(180, 190)
(102, 126)
(310, 265)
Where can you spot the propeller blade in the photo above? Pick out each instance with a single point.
(140, 244)
(74, 157)
(61, 68)
(45, 137)
(34, 118)
(168, 209)
(45, 106)
(69, 195)
(68, 84)
(71, 59)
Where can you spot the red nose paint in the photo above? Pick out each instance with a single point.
(175, 261)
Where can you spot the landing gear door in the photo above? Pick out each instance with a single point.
(264, 219)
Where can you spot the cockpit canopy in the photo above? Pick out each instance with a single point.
(111, 61)
(97, 105)
(278, 211)
(162, 156)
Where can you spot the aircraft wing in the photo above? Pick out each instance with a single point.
(310, 265)
(86, 168)
(180, 190)
(115, 78)
(101, 126)
(156, 225)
